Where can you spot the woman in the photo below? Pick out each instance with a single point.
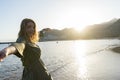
(29, 52)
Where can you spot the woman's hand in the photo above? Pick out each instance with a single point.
(7, 51)
(3, 54)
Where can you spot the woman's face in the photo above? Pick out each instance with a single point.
(30, 28)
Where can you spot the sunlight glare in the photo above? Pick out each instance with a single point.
(80, 53)
(80, 18)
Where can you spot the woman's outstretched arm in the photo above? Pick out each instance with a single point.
(7, 51)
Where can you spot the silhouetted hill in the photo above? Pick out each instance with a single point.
(115, 28)
(109, 29)
(54, 34)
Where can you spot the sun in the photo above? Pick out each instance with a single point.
(78, 17)
(80, 24)
(83, 19)
(80, 28)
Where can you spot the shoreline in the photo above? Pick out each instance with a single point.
(116, 49)
(6, 42)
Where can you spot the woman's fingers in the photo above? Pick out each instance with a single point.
(1, 60)
(2, 55)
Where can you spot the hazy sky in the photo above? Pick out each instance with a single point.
(56, 14)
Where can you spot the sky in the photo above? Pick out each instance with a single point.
(54, 14)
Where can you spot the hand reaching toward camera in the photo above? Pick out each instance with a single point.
(3, 54)
(7, 51)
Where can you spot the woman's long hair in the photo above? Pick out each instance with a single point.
(22, 33)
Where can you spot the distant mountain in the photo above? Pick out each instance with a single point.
(109, 29)
(54, 34)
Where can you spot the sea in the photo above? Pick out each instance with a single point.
(71, 60)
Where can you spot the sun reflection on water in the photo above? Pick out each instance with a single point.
(80, 49)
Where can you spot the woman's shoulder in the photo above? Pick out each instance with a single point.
(33, 45)
(20, 40)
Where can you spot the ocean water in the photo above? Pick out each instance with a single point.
(71, 60)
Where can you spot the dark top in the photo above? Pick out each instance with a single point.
(34, 68)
